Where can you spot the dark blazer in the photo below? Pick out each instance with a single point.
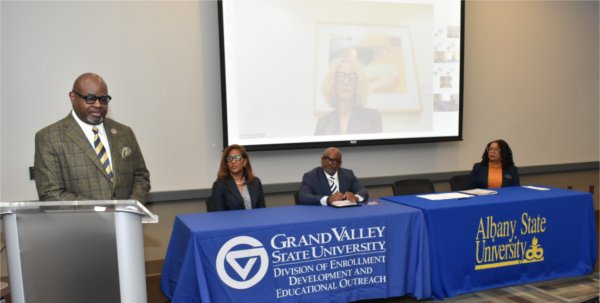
(479, 176)
(67, 168)
(315, 186)
(226, 196)
(363, 120)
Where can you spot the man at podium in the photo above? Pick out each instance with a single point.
(86, 156)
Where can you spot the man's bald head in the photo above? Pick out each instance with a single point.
(331, 160)
(86, 86)
(83, 79)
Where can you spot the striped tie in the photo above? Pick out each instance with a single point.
(102, 155)
(332, 185)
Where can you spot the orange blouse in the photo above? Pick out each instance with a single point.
(494, 175)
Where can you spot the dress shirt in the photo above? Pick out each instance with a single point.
(246, 196)
(89, 134)
(337, 185)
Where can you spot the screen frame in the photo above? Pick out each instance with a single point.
(338, 143)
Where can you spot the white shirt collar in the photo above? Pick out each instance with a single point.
(89, 133)
(335, 176)
(87, 128)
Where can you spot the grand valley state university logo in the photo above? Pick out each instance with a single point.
(242, 261)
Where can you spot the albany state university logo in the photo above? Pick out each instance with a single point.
(500, 243)
(229, 257)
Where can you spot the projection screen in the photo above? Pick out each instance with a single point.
(309, 73)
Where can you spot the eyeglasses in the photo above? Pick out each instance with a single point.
(332, 160)
(493, 150)
(235, 158)
(349, 77)
(91, 99)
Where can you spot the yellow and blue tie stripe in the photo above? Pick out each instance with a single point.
(101, 152)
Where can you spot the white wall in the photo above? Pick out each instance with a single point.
(531, 77)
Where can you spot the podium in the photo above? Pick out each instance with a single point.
(76, 251)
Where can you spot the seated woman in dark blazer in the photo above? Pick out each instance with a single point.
(236, 186)
(496, 169)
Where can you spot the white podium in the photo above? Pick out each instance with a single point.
(76, 251)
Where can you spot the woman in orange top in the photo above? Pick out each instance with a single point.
(496, 169)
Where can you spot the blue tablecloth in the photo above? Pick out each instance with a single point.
(298, 254)
(519, 235)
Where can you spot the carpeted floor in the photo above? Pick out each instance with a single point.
(571, 290)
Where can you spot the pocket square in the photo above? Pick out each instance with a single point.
(125, 152)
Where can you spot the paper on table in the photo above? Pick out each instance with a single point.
(344, 203)
(536, 187)
(479, 192)
(445, 196)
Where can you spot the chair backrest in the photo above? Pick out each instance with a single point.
(413, 187)
(296, 199)
(209, 204)
(591, 188)
(460, 182)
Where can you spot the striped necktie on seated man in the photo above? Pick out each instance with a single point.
(102, 154)
(332, 185)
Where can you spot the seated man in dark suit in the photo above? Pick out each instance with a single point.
(330, 183)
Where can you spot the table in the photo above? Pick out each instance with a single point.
(519, 235)
(298, 254)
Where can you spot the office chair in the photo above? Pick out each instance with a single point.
(296, 198)
(591, 188)
(460, 182)
(209, 204)
(413, 187)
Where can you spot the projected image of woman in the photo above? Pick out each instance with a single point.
(346, 91)
(497, 167)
